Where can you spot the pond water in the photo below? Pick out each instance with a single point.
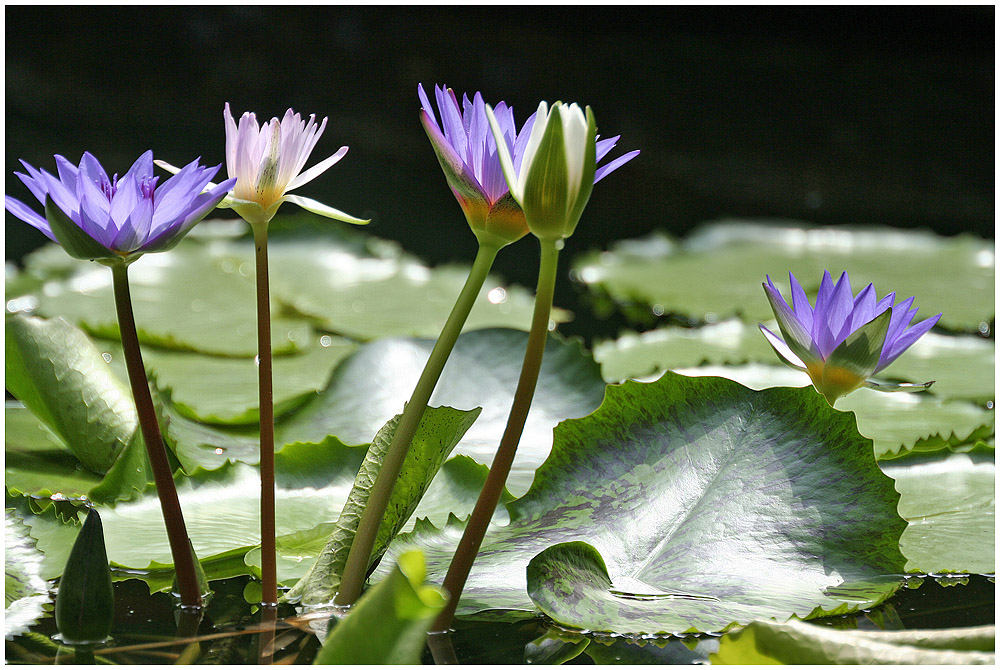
(149, 630)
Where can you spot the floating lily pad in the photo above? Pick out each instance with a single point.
(365, 298)
(223, 390)
(961, 366)
(201, 296)
(895, 421)
(372, 385)
(717, 272)
(198, 297)
(949, 501)
(25, 591)
(748, 504)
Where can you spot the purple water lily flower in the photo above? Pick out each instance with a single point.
(467, 151)
(113, 220)
(844, 339)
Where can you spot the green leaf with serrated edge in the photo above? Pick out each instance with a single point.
(57, 372)
(439, 431)
(799, 643)
(949, 502)
(371, 386)
(25, 591)
(703, 487)
(716, 271)
(975, 441)
(389, 624)
(894, 421)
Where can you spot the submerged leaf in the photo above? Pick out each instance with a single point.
(25, 592)
(798, 643)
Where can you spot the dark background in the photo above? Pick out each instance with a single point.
(828, 115)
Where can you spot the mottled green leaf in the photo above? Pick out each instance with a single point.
(25, 591)
(701, 487)
(439, 431)
(388, 625)
(57, 372)
(716, 272)
(799, 643)
(949, 501)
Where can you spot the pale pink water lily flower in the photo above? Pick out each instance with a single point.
(267, 162)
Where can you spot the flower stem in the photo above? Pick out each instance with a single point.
(472, 538)
(180, 547)
(268, 557)
(356, 568)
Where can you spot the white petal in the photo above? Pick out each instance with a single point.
(574, 141)
(317, 207)
(506, 160)
(317, 170)
(542, 118)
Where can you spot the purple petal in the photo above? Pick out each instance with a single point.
(832, 315)
(891, 353)
(521, 142)
(901, 317)
(800, 303)
(36, 185)
(425, 105)
(604, 146)
(199, 207)
(479, 128)
(864, 308)
(68, 173)
(28, 215)
(134, 229)
(64, 199)
(605, 170)
(451, 122)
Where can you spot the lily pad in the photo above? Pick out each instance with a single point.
(798, 643)
(961, 366)
(365, 298)
(747, 504)
(25, 591)
(372, 385)
(201, 296)
(894, 421)
(949, 502)
(223, 390)
(716, 272)
(198, 297)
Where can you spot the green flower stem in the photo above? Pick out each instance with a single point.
(268, 554)
(356, 568)
(180, 547)
(472, 538)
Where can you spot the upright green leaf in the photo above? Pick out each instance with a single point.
(389, 624)
(758, 504)
(58, 373)
(439, 431)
